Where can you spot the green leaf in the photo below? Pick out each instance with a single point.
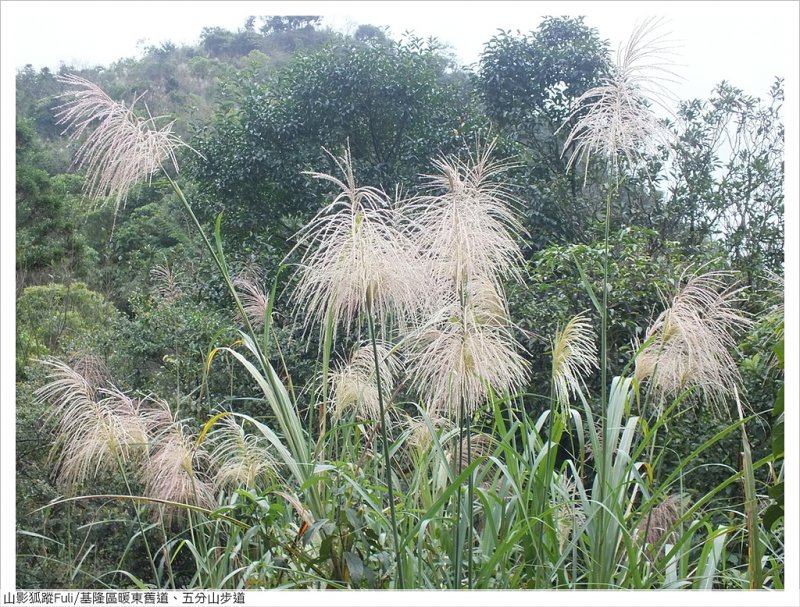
(355, 567)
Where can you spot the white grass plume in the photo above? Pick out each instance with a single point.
(255, 300)
(466, 228)
(465, 233)
(97, 427)
(354, 383)
(239, 459)
(456, 359)
(418, 430)
(167, 284)
(463, 452)
(356, 259)
(617, 118)
(174, 467)
(121, 149)
(574, 356)
(690, 342)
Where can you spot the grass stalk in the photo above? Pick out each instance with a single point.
(470, 497)
(385, 441)
(138, 518)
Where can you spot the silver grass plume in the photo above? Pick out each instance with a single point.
(166, 283)
(465, 232)
(478, 445)
(174, 467)
(120, 149)
(462, 355)
(660, 520)
(419, 436)
(574, 356)
(466, 229)
(98, 428)
(238, 459)
(354, 386)
(357, 260)
(616, 118)
(569, 514)
(690, 342)
(255, 300)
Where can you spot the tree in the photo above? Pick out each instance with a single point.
(288, 23)
(396, 105)
(527, 85)
(726, 182)
(219, 42)
(528, 82)
(48, 240)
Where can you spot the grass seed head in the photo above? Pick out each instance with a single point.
(354, 384)
(455, 360)
(239, 459)
(617, 118)
(120, 149)
(690, 343)
(356, 259)
(574, 356)
(173, 471)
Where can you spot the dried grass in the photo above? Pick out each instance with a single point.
(617, 117)
(690, 342)
(121, 149)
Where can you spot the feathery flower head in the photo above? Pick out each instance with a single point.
(574, 356)
(661, 519)
(617, 116)
(569, 513)
(354, 383)
(173, 471)
(455, 359)
(419, 433)
(356, 260)
(692, 339)
(255, 300)
(466, 227)
(477, 445)
(97, 427)
(167, 284)
(121, 148)
(238, 458)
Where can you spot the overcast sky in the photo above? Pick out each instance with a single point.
(746, 43)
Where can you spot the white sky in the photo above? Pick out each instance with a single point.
(746, 43)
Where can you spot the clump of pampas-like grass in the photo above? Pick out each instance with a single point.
(121, 149)
(690, 343)
(617, 117)
(98, 428)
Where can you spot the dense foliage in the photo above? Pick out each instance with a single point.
(551, 485)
